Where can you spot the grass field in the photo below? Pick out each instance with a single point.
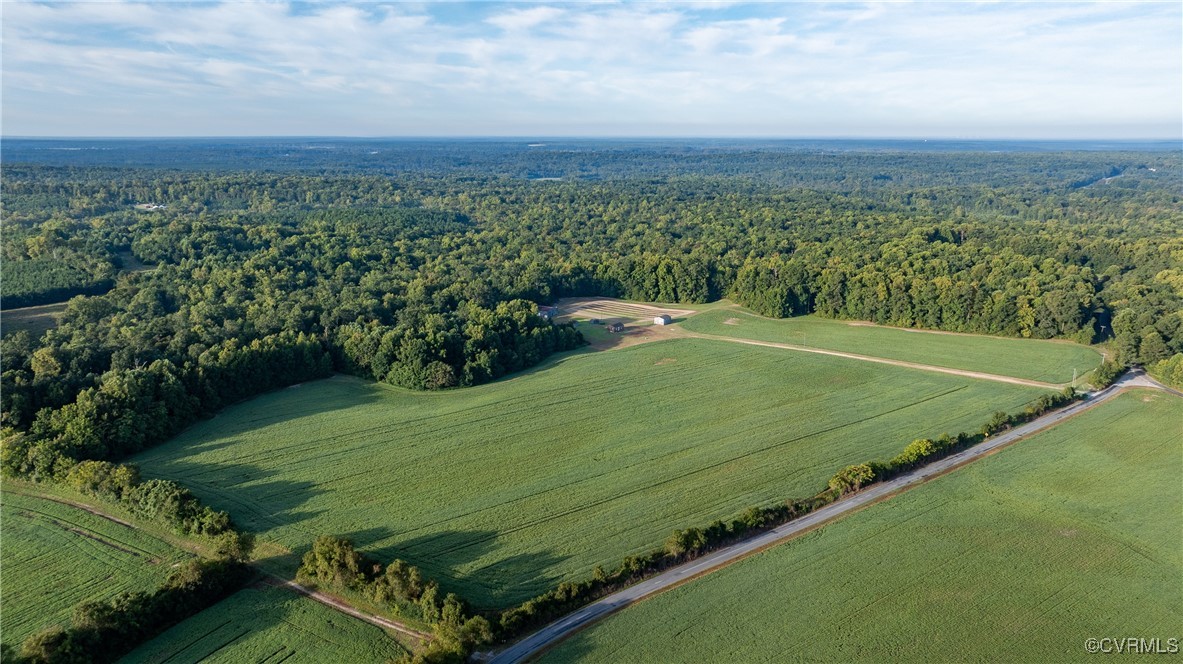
(53, 556)
(505, 489)
(34, 320)
(268, 625)
(1048, 361)
(1018, 557)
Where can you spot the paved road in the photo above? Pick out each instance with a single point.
(563, 627)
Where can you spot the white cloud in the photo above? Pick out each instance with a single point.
(578, 68)
(523, 19)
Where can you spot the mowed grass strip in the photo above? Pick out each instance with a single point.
(34, 320)
(54, 556)
(1018, 557)
(1033, 359)
(503, 490)
(268, 625)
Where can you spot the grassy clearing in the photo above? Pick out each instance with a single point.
(1021, 556)
(55, 556)
(34, 320)
(505, 489)
(268, 625)
(1048, 361)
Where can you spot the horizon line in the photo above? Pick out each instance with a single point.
(556, 137)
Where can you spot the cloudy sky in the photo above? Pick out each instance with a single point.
(921, 69)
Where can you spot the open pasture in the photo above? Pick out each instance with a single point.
(34, 320)
(1021, 556)
(54, 556)
(268, 625)
(501, 491)
(1033, 359)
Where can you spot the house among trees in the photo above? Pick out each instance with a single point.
(616, 327)
(663, 319)
(548, 313)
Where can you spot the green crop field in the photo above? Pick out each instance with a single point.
(1033, 359)
(503, 490)
(53, 556)
(1021, 556)
(268, 625)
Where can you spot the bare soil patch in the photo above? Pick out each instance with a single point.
(608, 309)
(637, 319)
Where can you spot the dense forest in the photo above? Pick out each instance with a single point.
(422, 267)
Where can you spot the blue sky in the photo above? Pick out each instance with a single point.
(808, 69)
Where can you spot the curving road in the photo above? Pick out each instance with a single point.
(572, 622)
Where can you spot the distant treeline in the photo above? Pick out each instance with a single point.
(817, 164)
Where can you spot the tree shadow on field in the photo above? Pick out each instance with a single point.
(256, 498)
(449, 558)
(364, 539)
(282, 405)
(286, 562)
(218, 631)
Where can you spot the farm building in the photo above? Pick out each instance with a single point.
(616, 327)
(663, 319)
(548, 312)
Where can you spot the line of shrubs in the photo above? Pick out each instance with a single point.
(162, 501)
(104, 631)
(923, 451)
(334, 564)
(691, 543)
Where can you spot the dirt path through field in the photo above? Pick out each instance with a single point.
(881, 360)
(333, 602)
(607, 309)
(81, 506)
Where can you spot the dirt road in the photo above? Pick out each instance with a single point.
(880, 360)
(330, 601)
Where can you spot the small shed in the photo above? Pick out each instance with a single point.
(663, 319)
(616, 327)
(548, 312)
